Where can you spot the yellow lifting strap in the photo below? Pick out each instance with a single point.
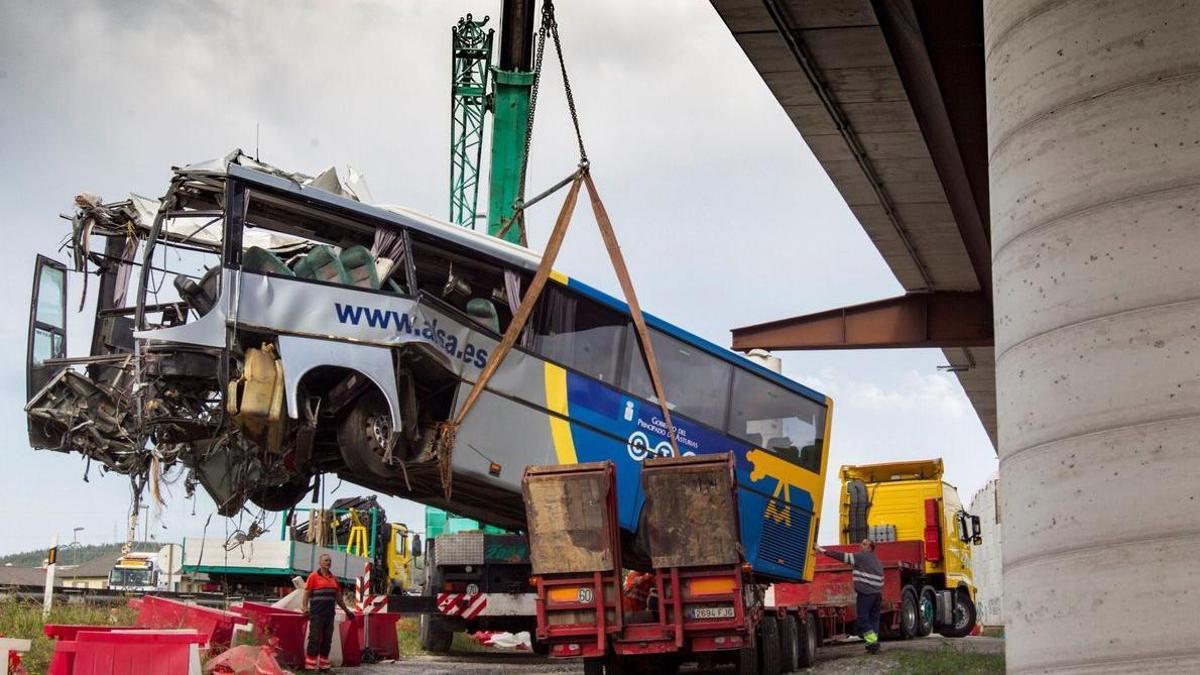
(448, 430)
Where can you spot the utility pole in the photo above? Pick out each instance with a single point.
(513, 82)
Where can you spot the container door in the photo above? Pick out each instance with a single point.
(47, 323)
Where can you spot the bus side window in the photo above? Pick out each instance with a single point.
(696, 383)
(579, 333)
(793, 427)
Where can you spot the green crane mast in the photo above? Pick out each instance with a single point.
(511, 85)
(471, 49)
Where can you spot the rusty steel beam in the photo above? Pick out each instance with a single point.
(939, 319)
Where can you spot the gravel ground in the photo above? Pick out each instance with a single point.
(831, 660)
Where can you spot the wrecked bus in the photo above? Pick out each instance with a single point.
(258, 328)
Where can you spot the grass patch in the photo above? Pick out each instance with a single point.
(23, 619)
(409, 640)
(947, 661)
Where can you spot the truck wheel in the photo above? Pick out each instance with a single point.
(808, 643)
(909, 624)
(747, 663)
(926, 610)
(593, 666)
(363, 436)
(964, 616)
(789, 643)
(769, 646)
(433, 635)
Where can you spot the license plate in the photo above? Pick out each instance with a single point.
(711, 613)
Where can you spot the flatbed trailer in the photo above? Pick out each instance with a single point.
(829, 599)
(710, 605)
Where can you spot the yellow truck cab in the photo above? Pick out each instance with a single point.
(907, 501)
(404, 548)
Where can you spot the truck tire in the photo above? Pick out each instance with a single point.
(910, 625)
(789, 643)
(964, 616)
(747, 662)
(769, 646)
(860, 505)
(926, 610)
(808, 642)
(432, 631)
(593, 666)
(362, 438)
(433, 635)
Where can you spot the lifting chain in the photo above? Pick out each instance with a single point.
(549, 26)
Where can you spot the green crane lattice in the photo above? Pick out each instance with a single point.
(471, 56)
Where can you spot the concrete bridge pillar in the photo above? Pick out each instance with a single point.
(1094, 141)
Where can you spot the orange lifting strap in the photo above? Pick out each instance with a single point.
(448, 430)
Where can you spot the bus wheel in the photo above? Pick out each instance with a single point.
(909, 624)
(769, 646)
(363, 437)
(789, 643)
(964, 616)
(808, 643)
(926, 610)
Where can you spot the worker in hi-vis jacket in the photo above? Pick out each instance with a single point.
(868, 587)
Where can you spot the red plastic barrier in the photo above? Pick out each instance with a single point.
(215, 625)
(282, 628)
(63, 660)
(134, 652)
(351, 648)
(383, 634)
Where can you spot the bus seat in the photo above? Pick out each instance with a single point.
(321, 263)
(483, 311)
(360, 266)
(258, 259)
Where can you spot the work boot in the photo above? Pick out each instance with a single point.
(873, 648)
(310, 663)
(325, 664)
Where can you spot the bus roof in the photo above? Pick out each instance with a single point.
(505, 252)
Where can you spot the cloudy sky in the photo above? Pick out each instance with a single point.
(725, 217)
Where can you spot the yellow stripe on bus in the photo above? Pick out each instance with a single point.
(559, 277)
(556, 402)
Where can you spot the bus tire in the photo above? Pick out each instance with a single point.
(362, 437)
(909, 609)
(789, 643)
(926, 610)
(769, 646)
(808, 642)
(964, 616)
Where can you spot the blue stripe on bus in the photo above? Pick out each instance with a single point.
(697, 341)
(602, 416)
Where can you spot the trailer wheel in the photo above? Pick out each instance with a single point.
(926, 610)
(964, 616)
(594, 666)
(769, 646)
(808, 643)
(909, 623)
(789, 643)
